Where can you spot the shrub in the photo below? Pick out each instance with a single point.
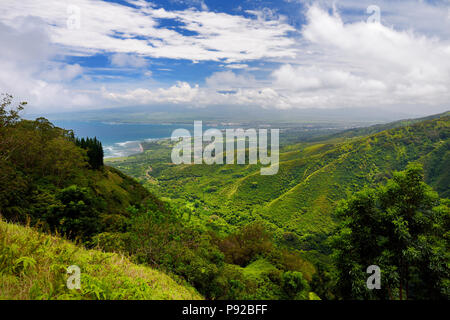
(246, 244)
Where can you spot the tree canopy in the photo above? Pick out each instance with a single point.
(94, 150)
(402, 227)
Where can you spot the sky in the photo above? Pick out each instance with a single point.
(67, 55)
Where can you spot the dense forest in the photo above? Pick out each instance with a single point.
(223, 232)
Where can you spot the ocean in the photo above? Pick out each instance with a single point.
(121, 139)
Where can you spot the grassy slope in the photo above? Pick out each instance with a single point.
(33, 266)
(351, 166)
(116, 189)
(365, 131)
(312, 175)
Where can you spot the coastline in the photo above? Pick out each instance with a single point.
(126, 148)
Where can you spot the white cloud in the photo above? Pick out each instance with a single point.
(229, 80)
(127, 60)
(63, 73)
(345, 65)
(111, 27)
(372, 60)
(26, 70)
(236, 66)
(425, 17)
(340, 60)
(182, 92)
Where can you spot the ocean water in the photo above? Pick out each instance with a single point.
(121, 139)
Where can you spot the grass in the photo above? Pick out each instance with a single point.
(33, 266)
(257, 268)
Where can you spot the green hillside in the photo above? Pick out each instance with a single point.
(58, 184)
(365, 131)
(352, 165)
(313, 175)
(225, 230)
(50, 179)
(33, 266)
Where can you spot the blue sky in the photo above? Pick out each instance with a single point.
(91, 54)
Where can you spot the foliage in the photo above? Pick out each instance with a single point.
(247, 244)
(225, 229)
(76, 213)
(293, 284)
(313, 177)
(322, 282)
(45, 178)
(33, 266)
(401, 227)
(94, 151)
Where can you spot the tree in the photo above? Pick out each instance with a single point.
(321, 282)
(94, 151)
(293, 284)
(76, 215)
(9, 116)
(401, 227)
(246, 244)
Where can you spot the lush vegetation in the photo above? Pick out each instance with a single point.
(402, 227)
(56, 183)
(297, 205)
(33, 266)
(337, 205)
(161, 236)
(298, 202)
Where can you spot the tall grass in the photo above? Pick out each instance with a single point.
(33, 266)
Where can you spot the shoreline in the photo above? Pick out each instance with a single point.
(123, 152)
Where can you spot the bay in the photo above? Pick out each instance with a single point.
(121, 139)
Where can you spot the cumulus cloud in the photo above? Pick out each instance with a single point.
(27, 72)
(346, 65)
(229, 80)
(424, 17)
(182, 92)
(62, 73)
(88, 27)
(337, 59)
(127, 60)
(370, 60)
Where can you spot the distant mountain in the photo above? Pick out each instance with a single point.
(355, 132)
(235, 114)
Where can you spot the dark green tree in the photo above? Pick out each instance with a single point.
(402, 227)
(76, 215)
(94, 151)
(294, 285)
(322, 282)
